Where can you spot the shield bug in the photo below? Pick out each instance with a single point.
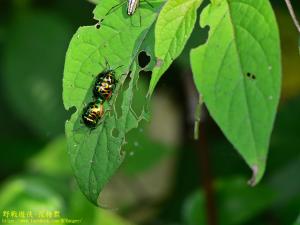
(105, 85)
(92, 113)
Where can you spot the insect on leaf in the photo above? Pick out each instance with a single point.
(96, 154)
(238, 73)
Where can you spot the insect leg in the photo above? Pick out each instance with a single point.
(148, 3)
(114, 8)
(131, 18)
(118, 67)
(140, 18)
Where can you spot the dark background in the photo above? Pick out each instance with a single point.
(166, 176)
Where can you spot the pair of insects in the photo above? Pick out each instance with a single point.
(105, 81)
(102, 91)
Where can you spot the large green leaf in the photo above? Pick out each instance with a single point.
(238, 72)
(96, 154)
(173, 28)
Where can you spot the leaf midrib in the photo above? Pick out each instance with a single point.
(91, 170)
(244, 84)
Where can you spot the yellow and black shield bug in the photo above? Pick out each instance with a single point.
(92, 113)
(105, 85)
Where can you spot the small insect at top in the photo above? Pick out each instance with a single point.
(132, 6)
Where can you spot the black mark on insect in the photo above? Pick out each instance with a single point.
(251, 76)
(98, 25)
(143, 59)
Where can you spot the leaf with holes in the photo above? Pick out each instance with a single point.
(238, 72)
(96, 154)
(173, 28)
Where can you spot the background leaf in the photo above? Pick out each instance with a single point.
(238, 72)
(43, 98)
(96, 155)
(298, 221)
(237, 203)
(46, 161)
(174, 26)
(30, 193)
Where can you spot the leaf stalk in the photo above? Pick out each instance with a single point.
(293, 15)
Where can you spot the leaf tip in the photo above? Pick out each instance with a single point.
(253, 181)
(257, 174)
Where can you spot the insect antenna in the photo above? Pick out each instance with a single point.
(148, 3)
(118, 67)
(114, 8)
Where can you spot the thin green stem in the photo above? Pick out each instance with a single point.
(198, 117)
(293, 15)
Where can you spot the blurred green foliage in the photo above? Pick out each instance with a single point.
(237, 203)
(159, 183)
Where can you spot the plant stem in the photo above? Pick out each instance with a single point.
(201, 145)
(198, 110)
(293, 15)
(205, 163)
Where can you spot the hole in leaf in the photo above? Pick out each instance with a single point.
(140, 101)
(145, 73)
(71, 111)
(143, 59)
(118, 104)
(119, 100)
(98, 25)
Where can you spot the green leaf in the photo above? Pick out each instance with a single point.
(238, 73)
(143, 151)
(173, 28)
(79, 207)
(96, 154)
(29, 193)
(237, 203)
(298, 221)
(32, 69)
(51, 160)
